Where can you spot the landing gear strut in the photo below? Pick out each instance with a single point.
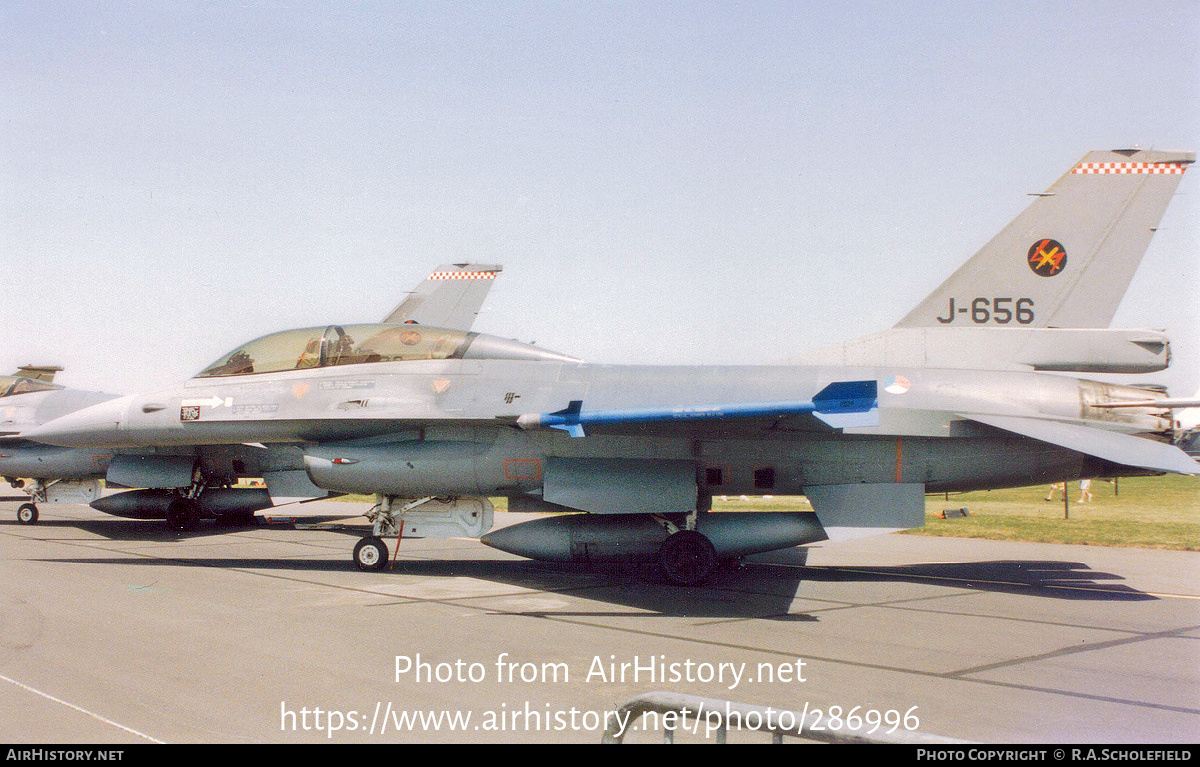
(387, 519)
(371, 553)
(183, 513)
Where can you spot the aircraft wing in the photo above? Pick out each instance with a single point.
(1124, 449)
(449, 297)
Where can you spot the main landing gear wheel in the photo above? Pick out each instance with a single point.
(27, 514)
(183, 514)
(687, 558)
(371, 553)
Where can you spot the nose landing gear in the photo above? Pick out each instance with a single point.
(27, 514)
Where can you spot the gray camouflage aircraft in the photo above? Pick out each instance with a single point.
(450, 296)
(966, 392)
(30, 397)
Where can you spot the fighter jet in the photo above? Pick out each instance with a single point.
(450, 296)
(967, 392)
(44, 473)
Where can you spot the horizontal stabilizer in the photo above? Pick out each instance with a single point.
(1081, 350)
(841, 405)
(1124, 449)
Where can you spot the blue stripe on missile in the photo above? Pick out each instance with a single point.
(841, 404)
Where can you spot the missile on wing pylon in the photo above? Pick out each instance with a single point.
(840, 404)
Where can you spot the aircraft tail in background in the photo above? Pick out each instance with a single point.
(450, 296)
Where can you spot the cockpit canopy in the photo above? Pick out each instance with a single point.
(334, 345)
(13, 385)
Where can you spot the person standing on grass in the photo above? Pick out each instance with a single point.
(1085, 490)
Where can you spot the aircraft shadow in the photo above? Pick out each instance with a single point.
(1043, 578)
(123, 529)
(761, 588)
(633, 590)
(753, 591)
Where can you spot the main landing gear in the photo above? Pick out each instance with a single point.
(183, 514)
(687, 558)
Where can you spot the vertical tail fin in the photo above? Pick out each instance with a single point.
(1067, 260)
(449, 297)
(38, 372)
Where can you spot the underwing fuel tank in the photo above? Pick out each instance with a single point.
(637, 537)
(153, 504)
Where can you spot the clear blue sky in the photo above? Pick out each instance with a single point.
(663, 182)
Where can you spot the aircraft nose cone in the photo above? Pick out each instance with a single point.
(95, 426)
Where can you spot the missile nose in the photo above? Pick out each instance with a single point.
(94, 426)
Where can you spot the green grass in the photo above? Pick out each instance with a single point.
(1142, 512)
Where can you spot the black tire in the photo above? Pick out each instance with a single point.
(687, 558)
(27, 514)
(183, 515)
(371, 554)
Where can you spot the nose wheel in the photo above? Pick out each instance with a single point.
(27, 514)
(371, 554)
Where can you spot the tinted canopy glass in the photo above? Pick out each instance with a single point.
(12, 385)
(339, 345)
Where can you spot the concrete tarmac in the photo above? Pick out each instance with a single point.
(119, 631)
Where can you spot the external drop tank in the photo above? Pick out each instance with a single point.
(586, 538)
